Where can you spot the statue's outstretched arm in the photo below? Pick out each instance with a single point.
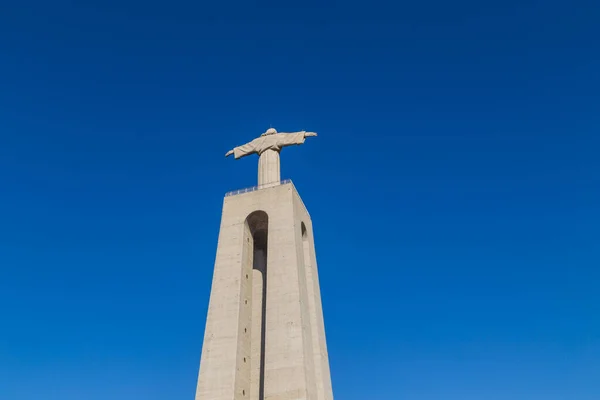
(304, 133)
(293, 138)
(243, 150)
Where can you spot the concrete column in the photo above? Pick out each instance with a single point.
(265, 336)
(268, 168)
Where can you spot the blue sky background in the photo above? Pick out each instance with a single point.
(454, 189)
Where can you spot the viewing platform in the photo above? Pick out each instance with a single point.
(257, 187)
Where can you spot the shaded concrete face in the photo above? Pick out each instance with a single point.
(265, 336)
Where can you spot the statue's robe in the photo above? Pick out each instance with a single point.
(269, 142)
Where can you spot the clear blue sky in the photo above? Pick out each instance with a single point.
(454, 189)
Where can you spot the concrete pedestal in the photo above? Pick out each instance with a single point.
(265, 335)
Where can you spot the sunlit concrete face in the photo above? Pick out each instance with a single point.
(265, 335)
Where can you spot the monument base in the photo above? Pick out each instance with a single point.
(265, 335)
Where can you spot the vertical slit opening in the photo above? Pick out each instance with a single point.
(258, 223)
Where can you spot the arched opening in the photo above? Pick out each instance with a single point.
(258, 229)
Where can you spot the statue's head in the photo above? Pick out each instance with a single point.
(270, 131)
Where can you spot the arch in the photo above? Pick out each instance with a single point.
(258, 222)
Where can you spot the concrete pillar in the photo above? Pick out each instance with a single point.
(265, 337)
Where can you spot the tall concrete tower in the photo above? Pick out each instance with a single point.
(265, 336)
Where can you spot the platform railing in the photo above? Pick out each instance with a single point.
(257, 187)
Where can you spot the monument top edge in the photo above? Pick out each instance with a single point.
(258, 187)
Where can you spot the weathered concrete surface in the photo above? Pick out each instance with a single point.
(265, 343)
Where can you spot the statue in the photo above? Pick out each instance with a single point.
(268, 146)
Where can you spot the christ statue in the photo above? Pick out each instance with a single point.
(268, 146)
